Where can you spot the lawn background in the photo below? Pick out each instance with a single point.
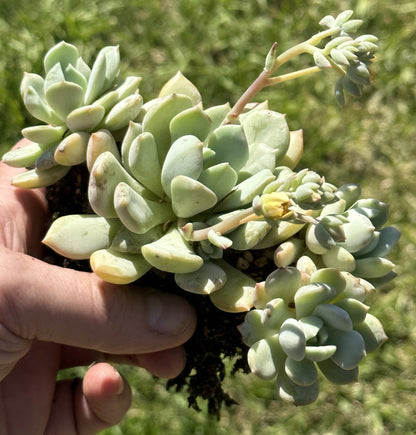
(220, 46)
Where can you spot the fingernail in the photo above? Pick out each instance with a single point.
(120, 384)
(167, 314)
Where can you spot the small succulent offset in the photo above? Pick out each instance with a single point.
(174, 185)
(79, 106)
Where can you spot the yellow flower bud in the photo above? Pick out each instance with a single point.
(275, 205)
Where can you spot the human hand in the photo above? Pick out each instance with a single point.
(53, 318)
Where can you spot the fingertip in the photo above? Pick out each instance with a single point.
(101, 381)
(166, 364)
(105, 399)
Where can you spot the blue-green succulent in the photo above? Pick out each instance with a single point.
(174, 186)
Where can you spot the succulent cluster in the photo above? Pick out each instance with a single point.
(174, 185)
(80, 107)
(354, 55)
(310, 312)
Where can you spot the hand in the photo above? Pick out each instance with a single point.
(53, 318)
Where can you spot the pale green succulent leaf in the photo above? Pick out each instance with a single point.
(219, 178)
(104, 71)
(349, 193)
(193, 121)
(292, 339)
(183, 158)
(248, 235)
(99, 142)
(107, 100)
(350, 348)
(302, 372)
(217, 115)
(330, 276)
(294, 152)
(208, 155)
(311, 295)
(144, 163)
(306, 265)
(112, 56)
(171, 253)
(283, 283)
(369, 247)
(339, 258)
(261, 156)
(299, 395)
(138, 214)
(37, 107)
(375, 210)
(218, 240)
(83, 68)
(190, 197)
(118, 267)
(311, 326)
(72, 150)
(265, 358)
(253, 327)
(179, 84)
(40, 178)
(147, 107)
(47, 159)
(230, 145)
(62, 53)
(269, 128)
(96, 79)
(372, 267)
(278, 233)
(388, 238)
(244, 192)
(55, 75)
(207, 279)
(275, 313)
(24, 156)
(372, 332)
(355, 309)
(319, 353)
(312, 242)
(288, 252)
(63, 97)
(123, 112)
(106, 174)
(133, 130)
(78, 236)
(44, 134)
(35, 82)
(334, 316)
(356, 288)
(358, 232)
(250, 107)
(158, 117)
(237, 294)
(73, 75)
(127, 241)
(336, 374)
(128, 86)
(335, 207)
(85, 118)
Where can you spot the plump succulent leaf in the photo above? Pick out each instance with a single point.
(78, 236)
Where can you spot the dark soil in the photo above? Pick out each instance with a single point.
(216, 337)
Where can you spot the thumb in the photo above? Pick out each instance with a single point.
(49, 303)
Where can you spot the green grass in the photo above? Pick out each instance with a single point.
(220, 46)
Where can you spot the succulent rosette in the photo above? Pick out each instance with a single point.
(175, 186)
(78, 106)
(308, 319)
